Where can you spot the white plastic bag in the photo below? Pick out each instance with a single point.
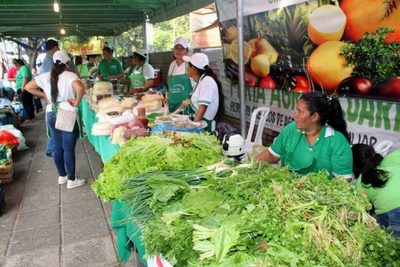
(66, 117)
(17, 133)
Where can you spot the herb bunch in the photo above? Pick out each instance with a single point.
(372, 57)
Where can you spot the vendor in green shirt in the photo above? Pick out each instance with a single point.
(316, 140)
(81, 67)
(142, 73)
(109, 68)
(23, 77)
(379, 178)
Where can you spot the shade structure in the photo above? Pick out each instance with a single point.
(27, 18)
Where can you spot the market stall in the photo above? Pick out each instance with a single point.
(106, 121)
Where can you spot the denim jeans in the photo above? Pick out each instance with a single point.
(390, 220)
(50, 146)
(64, 147)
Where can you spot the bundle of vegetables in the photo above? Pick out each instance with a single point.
(170, 151)
(265, 217)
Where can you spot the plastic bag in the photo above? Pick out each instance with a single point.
(17, 133)
(8, 139)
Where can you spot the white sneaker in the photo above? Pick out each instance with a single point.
(75, 183)
(62, 179)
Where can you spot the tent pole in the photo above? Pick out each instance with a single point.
(239, 22)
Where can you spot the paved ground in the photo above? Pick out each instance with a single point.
(47, 225)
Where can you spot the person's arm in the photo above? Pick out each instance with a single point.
(79, 90)
(148, 85)
(278, 148)
(200, 113)
(148, 73)
(342, 158)
(267, 156)
(33, 88)
(25, 81)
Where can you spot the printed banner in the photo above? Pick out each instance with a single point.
(228, 7)
(77, 47)
(368, 121)
(343, 47)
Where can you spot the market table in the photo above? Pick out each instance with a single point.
(128, 235)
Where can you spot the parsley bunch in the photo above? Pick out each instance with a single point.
(372, 57)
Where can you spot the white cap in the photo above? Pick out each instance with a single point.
(199, 60)
(181, 41)
(61, 56)
(142, 52)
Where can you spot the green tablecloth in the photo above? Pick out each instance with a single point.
(102, 144)
(127, 233)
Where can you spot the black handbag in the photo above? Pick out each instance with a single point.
(2, 200)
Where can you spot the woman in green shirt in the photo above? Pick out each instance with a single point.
(142, 75)
(109, 68)
(316, 140)
(379, 178)
(82, 68)
(23, 77)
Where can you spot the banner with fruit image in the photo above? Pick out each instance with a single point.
(368, 121)
(345, 47)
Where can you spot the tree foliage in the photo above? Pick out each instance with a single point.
(166, 32)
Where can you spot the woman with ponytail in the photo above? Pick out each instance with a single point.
(316, 140)
(206, 101)
(379, 178)
(61, 85)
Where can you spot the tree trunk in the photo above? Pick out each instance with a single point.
(31, 49)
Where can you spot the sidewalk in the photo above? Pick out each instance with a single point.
(46, 224)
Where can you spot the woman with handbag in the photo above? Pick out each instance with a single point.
(61, 88)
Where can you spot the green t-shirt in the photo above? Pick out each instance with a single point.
(331, 151)
(386, 198)
(83, 70)
(108, 69)
(22, 73)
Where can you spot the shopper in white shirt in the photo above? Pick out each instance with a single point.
(61, 85)
(206, 102)
(180, 85)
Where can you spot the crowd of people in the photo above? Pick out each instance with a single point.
(316, 140)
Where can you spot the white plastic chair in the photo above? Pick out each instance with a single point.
(262, 112)
(383, 147)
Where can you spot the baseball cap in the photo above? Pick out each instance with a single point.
(61, 56)
(181, 41)
(199, 60)
(142, 52)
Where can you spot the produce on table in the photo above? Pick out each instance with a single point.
(8, 139)
(326, 23)
(260, 216)
(158, 152)
(378, 13)
(373, 58)
(327, 67)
